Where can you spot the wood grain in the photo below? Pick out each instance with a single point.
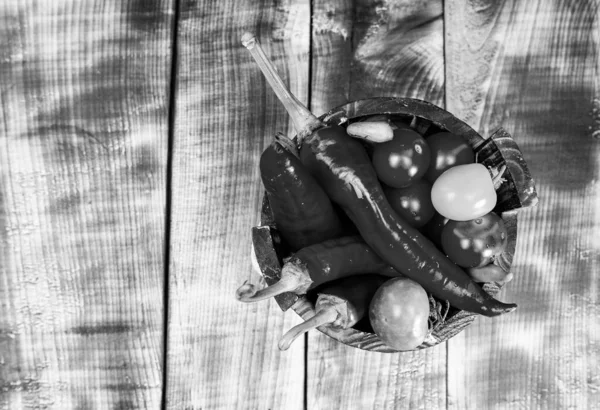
(398, 50)
(223, 354)
(83, 131)
(387, 59)
(532, 68)
(331, 61)
(84, 99)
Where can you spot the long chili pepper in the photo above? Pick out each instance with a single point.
(302, 211)
(320, 263)
(343, 168)
(340, 305)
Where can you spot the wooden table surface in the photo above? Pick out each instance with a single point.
(130, 134)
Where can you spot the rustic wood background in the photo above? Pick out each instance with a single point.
(130, 133)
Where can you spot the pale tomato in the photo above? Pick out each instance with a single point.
(464, 192)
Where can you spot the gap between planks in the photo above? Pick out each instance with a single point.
(168, 193)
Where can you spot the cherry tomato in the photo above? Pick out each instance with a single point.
(474, 243)
(399, 313)
(447, 150)
(464, 192)
(413, 203)
(402, 160)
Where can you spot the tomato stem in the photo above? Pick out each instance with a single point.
(304, 121)
(496, 175)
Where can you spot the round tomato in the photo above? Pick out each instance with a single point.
(402, 160)
(476, 242)
(413, 203)
(464, 192)
(447, 150)
(399, 313)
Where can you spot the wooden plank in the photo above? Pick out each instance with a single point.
(393, 50)
(223, 354)
(83, 130)
(533, 68)
(398, 50)
(331, 61)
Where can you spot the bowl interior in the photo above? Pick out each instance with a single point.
(516, 192)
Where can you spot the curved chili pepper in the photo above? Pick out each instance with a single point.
(343, 168)
(321, 263)
(340, 305)
(303, 213)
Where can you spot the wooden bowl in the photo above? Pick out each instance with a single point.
(518, 191)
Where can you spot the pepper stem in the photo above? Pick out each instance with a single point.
(287, 143)
(248, 293)
(325, 316)
(294, 278)
(304, 121)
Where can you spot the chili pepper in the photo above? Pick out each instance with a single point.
(303, 213)
(373, 131)
(321, 263)
(344, 170)
(340, 305)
